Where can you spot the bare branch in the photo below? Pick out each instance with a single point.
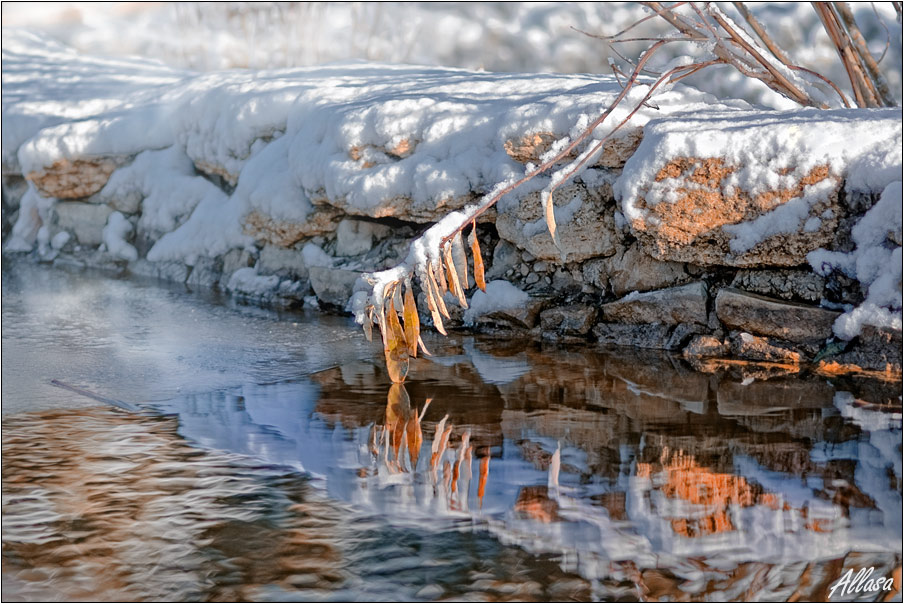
(867, 60)
(757, 27)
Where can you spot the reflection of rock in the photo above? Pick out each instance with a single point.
(769, 317)
(760, 397)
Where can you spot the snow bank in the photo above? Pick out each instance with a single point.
(500, 295)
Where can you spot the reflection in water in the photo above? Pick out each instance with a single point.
(587, 476)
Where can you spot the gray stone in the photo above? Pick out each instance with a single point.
(588, 231)
(654, 336)
(754, 348)
(769, 317)
(630, 269)
(235, 259)
(13, 187)
(573, 319)
(704, 346)
(876, 348)
(169, 270)
(206, 272)
(684, 304)
(333, 285)
(784, 284)
(355, 237)
(522, 317)
(505, 257)
(85, 220)
(284, 262)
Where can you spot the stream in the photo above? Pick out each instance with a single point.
(271, 459)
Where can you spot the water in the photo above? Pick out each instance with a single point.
(273, 460)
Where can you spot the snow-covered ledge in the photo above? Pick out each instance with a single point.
(705, 227)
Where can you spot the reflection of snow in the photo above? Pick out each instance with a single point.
(494, 369)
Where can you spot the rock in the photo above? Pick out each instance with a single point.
(85, 220)
(212, 169)
(355, 237)
(876, 348)
(505, 257)
(169, 270)
(683, 304)
(701, 347)
(403, 208)
(282, 262)
(235, 259)
(654, 336)
(73, 179)
(332, 285)
(523, 317)
(206, 272)
(702, 210)
(784, 284)
(573, 319)
(13, 187)
(631, 269)
(284, 233)
(754, 348)
(585, 224)
(616, 151)
(769, 317)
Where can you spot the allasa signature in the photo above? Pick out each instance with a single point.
(862, 582)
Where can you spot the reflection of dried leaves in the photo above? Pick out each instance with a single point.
(394, 346)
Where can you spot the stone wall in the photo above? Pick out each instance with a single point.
(671, 281)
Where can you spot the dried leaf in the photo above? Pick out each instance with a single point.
(412, 321)
(444, 284)
(438, 298)
(461, 261)
(432, 301)
(453, 275)
(551, 217)
(397, 295)
(478, 259)
(420, 343)
(394, 347)
(369, 324)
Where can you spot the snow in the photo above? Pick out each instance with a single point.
(500, 295)
(314, 255)
(875, 262)
(248, 282)
(114, 236)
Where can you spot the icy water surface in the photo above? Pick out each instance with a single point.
(273, 460)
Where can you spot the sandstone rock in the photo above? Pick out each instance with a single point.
(573, 319)
(354, 237)
(332, 285)
(285, 233)
(784, 284)
(85, 220)
(755, 348)
(403, 208)
(616, 151)
(631, 269)
(653, 336)
(282, 262)
(769, 317)
(701, 347)
(73, 179)
(695, 221)
(216, 170)
(588, 231)
(683, 304)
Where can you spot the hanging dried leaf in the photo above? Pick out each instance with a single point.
(453, 275)
(412, 321)
(551, 217)
(438, 296)
(394, 347)
(443, 283)
(420, 343)
(461, 261)
(397, 295)
(369, 324)
(430, 284)
(478, 259)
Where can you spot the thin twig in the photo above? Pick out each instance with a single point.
(833, 29)
(757, 27)
(866, 58)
